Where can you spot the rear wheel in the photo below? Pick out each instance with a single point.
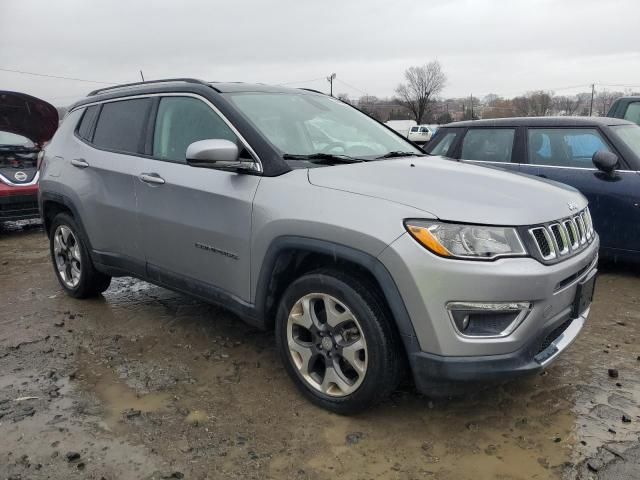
(71, 261)
(337, 343)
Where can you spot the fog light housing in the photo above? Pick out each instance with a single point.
(487, 319)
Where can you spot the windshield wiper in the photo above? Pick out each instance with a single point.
(323, 156)
(397, 153)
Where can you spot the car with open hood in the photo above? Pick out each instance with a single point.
(370, 260)
(26, 124)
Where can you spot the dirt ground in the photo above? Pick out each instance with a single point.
(144, 383)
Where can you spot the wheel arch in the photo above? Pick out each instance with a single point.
(289, 257)
(52, 205)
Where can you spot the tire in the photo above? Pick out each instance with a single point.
(308, 343)
(71, 261)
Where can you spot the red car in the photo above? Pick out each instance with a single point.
(26, 124)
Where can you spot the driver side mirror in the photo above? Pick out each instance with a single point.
(218, 154)
(605, 161)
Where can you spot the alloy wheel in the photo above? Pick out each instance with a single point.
(327, 345)
(66, 252)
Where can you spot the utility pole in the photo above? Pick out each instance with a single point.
(141, 75)
(330, 79)
(593, 90)
(472, 106)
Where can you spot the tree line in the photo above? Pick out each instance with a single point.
(418, 98)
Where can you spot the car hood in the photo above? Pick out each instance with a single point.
(27, 116)
(455, 191)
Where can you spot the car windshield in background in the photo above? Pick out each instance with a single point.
(13, 140)
(630, 135)
(302, 125)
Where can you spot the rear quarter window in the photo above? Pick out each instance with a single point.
(122, 125)
(85, 127)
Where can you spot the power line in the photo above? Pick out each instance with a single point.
(300, 81)
(55, 76)
(351, 86)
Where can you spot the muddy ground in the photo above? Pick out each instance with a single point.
(144, 383)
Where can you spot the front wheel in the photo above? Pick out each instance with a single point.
(337, 342)
(71, 261)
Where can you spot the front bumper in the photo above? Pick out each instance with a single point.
(439, 355)
(436, 375)
(18, 203)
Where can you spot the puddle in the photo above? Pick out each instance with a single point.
(116, 397)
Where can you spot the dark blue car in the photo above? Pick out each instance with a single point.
(598, 156)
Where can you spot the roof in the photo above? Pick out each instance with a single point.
(541, 122)
(179, 84)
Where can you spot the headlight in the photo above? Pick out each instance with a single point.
(474, 242)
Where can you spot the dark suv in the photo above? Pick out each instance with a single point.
(627, 108)
(598, 156)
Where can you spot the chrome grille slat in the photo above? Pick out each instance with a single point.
(564, 237)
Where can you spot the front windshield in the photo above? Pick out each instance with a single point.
(7, 138)
(304, 124)
(630, 135)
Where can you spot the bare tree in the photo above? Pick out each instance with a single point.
(540, 103)
(521, 106)
(565, 105)
(423, 83)
(536, 103)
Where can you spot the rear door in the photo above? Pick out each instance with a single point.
(490, 146)
(564, 155)
(195, 222)
(106, 164)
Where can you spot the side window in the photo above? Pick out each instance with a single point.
(564, 147)
(633, 113)
(444, 144)
(121, 125)
(182, 121)
(488, 144)
(85, 126)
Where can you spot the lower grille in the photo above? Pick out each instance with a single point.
(553, 335)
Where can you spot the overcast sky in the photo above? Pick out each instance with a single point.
(485, 46)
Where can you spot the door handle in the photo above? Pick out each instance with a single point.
(79, 162)
(153, 178)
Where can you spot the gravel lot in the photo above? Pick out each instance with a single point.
(144, 383)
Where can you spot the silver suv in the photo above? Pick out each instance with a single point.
(298, 212)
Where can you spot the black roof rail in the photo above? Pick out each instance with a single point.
(148, 82)
(312, 90)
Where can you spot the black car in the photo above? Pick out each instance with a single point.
(627, 108)
(598, 156)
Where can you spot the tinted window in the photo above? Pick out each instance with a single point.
(444, 144)
(182, 121)
(489, 145)
(121, 125)
(564, 147)
(633, 112)
(87, 121)
(414, 129)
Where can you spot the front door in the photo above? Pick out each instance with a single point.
(195, 222)
(492, 147)
(564, 155)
